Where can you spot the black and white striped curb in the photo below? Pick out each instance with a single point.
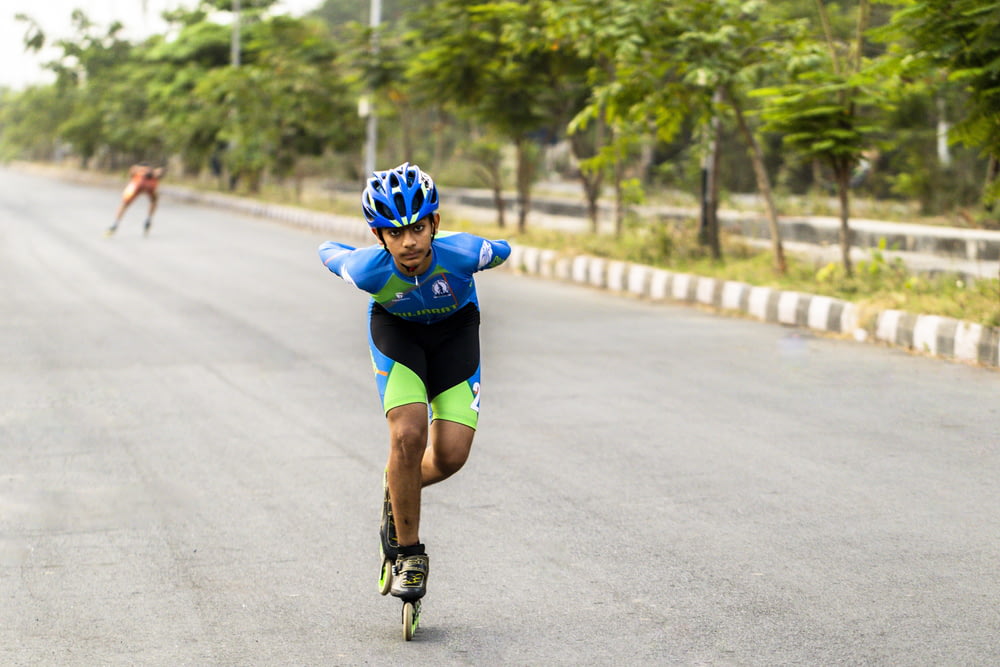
(929, 334)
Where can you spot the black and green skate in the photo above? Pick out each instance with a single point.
(388, 543)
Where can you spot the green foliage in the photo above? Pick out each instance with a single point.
(29, 122)
(631, 81)
(959, 36)
(878, 283)
(182, 97)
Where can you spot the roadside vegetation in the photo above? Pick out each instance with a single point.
(808, 106)
(877, 284)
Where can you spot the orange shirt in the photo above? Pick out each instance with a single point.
(141, 179)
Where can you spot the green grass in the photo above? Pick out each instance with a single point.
(877, 284)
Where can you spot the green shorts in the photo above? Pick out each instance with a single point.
(435, 364)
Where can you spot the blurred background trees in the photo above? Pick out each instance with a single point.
(890, 99)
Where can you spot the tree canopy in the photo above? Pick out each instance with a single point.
(799, 94)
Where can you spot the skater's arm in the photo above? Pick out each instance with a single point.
(470, 253)
(334, 255)
(497, 254)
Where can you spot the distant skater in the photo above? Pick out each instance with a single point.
(142, 179)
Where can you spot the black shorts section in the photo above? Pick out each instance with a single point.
(442, 353)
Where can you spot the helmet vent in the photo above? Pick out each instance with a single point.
(398, 197)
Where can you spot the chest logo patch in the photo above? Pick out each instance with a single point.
(440, 288)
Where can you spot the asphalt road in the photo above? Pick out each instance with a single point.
(191, 453)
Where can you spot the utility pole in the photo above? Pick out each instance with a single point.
(234, 49)
(367, 105)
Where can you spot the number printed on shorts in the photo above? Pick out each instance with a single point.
(475, 401)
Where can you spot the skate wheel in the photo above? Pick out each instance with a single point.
(385, 577)
(411, 619)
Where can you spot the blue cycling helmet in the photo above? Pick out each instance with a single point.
(398, 197)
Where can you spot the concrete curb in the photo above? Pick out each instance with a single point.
(937, 336)
(942, 337)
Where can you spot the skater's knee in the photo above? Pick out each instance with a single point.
(408, 441)
(408, 433)
(449, 460)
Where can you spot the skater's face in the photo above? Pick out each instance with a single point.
(410, 246)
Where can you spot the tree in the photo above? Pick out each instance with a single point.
(286, 100)
(961, 36)
(84, 73)
(594, 30)
(492, 62)
(29, 122)
(725, 47)
(633, 86)
(819, 113)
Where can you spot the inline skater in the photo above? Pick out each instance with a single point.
(424, 341)
(142, 179)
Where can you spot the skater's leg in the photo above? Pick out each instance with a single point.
(153, 198)
(126, 200)
(121, 210)
(128, 196)
(407, 444)
(450, 443)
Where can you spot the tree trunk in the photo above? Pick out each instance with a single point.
(943, 127)
(619, 198)
(593, 181)
(763, 186)
(992, 173)
(525, 175)
(499, 203)
(843, 193)
(715, 245)
(592, 191)
(708, 234)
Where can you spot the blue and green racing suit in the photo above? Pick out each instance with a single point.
(424, 329)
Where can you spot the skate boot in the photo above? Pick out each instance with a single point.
(110, 231)
(146, 226)
(409, 580)
(387, 529)
(388, 543)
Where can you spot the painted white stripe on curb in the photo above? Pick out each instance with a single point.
(596, 271)
(788, 304)
(758, 302)
(547, 263)
(528, 259)
(638, 279)
(967, 337)
(617, 274)
(888, 324)
(563, 268)
(732, 294)
(925, 333)
(849, 322)
(682, 284)
(706, 291)
(658, 284)
(517, 258)
(819, 313)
